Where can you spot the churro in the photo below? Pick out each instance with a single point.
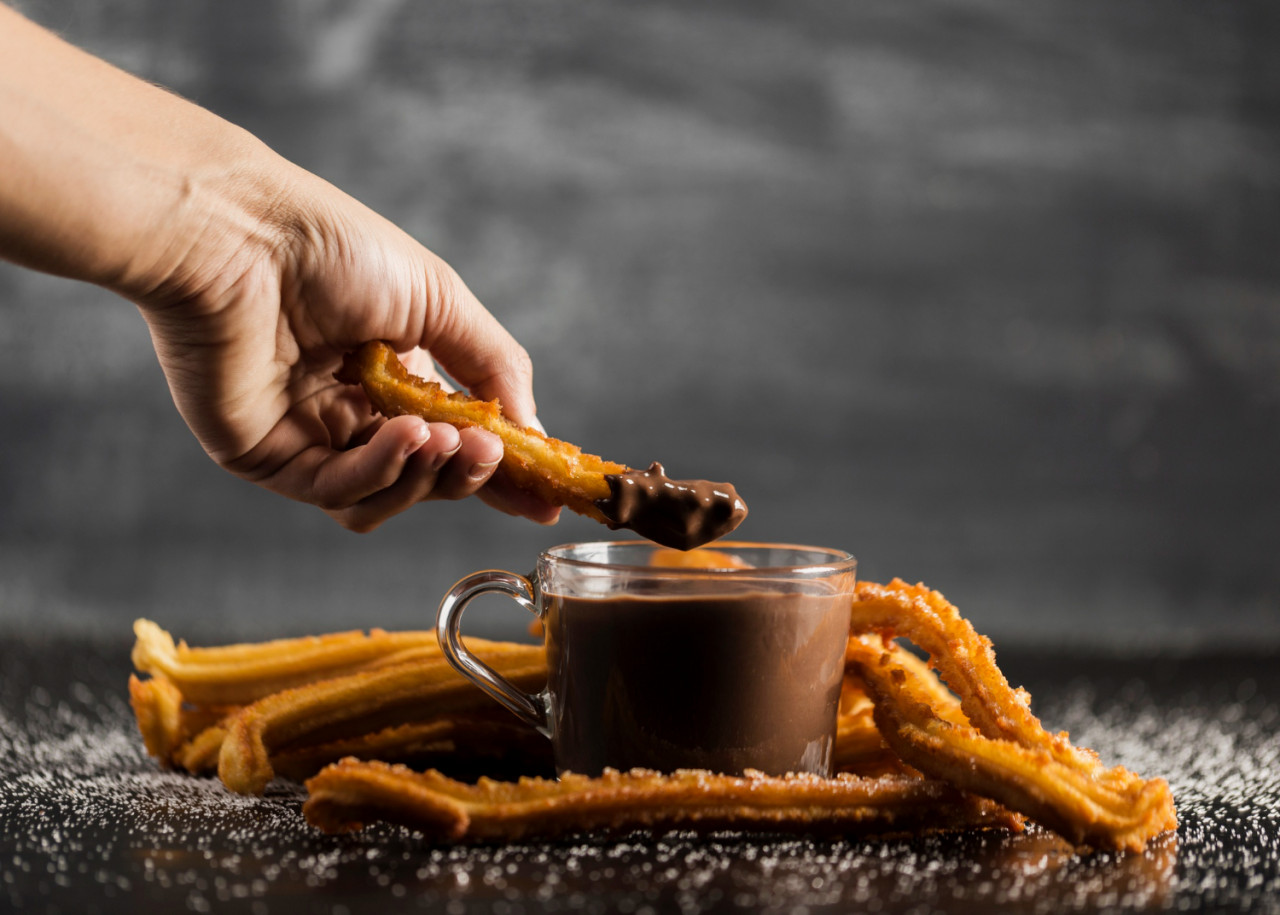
(992, 744)
(921, 744)
(676, 513)
(351, 793)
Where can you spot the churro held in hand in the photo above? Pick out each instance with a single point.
(675, 513)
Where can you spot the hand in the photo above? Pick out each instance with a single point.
(254, 278)
(249, 328)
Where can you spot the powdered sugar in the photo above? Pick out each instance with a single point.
(88, 823)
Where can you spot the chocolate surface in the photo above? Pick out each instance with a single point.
(721, 682)
(677, 513)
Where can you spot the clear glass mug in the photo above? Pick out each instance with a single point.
(666, 668)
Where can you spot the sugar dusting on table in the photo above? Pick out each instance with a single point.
(82, 808)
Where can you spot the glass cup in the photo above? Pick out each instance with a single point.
(667, 667)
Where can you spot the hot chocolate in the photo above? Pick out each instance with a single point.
(719, 681)
(729, 659)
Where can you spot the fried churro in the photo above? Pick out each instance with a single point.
(964, 659)
(675, 513)
(166, 720)
(921, 745)
(1120, 811)
(351, 793)
(361, 703)
(384, 695)
(995, 746)
(237, 674)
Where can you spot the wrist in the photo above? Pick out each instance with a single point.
(210, 219)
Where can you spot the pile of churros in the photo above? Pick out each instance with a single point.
(381, 728)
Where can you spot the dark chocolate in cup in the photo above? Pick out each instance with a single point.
(664, 668)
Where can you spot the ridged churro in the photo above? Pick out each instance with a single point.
(676, 513)
(996, 747)
(921, 744)
(351, 793)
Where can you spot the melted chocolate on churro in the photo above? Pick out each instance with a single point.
(678, 513)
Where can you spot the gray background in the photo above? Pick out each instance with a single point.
(987, 293)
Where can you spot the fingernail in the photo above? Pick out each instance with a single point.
(479, 471)
(537, 424)
(444, 457)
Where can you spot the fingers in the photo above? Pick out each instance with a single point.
(415, 484)
(471, 467)
(403, 455)
(501, 494)
(475, 348)
(449, 464)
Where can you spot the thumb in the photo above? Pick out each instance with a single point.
(473, 346)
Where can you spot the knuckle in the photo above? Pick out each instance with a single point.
(458, 493)
(358, 522)
(330, 502)
(452, 490)
(387, 476)
(521, 364)
(441, 492)
(444, 291)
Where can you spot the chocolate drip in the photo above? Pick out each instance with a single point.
(677, 513)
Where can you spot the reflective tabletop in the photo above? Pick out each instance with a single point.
(89, 824)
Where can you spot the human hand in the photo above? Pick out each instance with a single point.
(250, 326)
(254, 277)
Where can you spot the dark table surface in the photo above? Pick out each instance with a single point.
(88, 824)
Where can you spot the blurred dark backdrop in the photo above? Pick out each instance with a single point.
(986, 292)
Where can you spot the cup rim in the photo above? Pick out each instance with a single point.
(842, 560)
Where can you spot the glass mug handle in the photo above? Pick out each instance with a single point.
(530, 708)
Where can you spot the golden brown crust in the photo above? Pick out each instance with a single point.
(350, 793)
(901, 730)
(557, 472)
(472, 740)
(859, 748)
(1070, 794)
(157, 707)
(965, 660)
(187, 734)
(199, 755)
(237, 674)
(362, 703)
(697, 558)
(167, 722)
